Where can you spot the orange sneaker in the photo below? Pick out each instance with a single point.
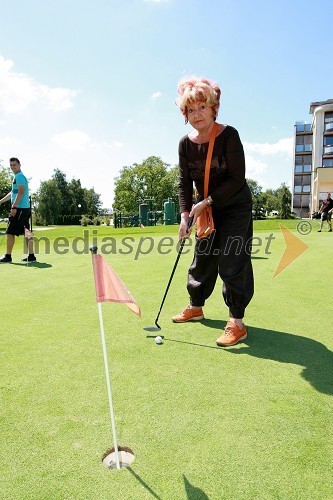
(188, 314)
(232, 334)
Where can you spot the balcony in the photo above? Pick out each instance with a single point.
(303, 127)
(328, 150)
(328, 127)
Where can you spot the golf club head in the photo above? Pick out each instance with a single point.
(157, 325)
(151, 329)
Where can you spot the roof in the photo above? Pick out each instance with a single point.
(315, 105)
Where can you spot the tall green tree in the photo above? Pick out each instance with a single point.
(284, 197)
(271, 200)
(49, 203)
(6, 177)
(68, 203)
(150, 180)
(257, 198)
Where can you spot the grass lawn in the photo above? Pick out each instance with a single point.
(249, 422)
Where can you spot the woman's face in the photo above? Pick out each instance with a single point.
(200, 115)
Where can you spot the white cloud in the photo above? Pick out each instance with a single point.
(254, 167)
(266, 149)
(156, 1)
(57, 99)
(76, 140)
(9, 142)
(156, 95)
(73, 140)
(18, 91)
(116, 145)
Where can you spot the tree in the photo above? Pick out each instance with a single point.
(271, 200)
(92, 202)
(61, 202)
(284, 197)
(257, 198)
(171, 185)
(6, 178)
(49, 203)
(150, 180)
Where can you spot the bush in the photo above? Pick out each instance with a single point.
(85, 220)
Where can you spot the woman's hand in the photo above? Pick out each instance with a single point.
(198, 209)
(183, 232)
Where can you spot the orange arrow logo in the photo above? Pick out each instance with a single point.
(294, 248)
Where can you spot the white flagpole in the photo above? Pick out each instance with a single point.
(108, 383)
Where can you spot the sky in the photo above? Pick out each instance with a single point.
(89, 87)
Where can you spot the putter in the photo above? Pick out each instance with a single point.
(189, 225)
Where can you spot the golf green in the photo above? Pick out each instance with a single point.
(253, 421)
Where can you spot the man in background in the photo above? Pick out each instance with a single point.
(20, 213)
(326, 213)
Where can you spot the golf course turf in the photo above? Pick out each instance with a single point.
(253, 421)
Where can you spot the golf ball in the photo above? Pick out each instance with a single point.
(158, 339)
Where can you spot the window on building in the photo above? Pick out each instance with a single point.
(328, 144)
(329, 117)
(303, 163)
(297, 189)
(303, 143)
(328, 162)
(303, 127)
(306, 188)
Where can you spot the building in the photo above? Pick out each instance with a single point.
(313, 159)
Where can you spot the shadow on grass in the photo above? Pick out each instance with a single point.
(313, 356)
(192, 492)
(39, 265)
(316, 359)
(142, 482)
(182, 342)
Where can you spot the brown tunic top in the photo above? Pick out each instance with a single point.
(227, 171)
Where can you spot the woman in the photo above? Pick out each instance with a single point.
(228, 251)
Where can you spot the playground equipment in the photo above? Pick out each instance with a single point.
(148, 216)
(169, 212)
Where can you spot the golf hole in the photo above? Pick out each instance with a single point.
(125, 455)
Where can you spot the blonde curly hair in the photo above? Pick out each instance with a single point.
(192, 89)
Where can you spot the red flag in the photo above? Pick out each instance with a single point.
(109, 287)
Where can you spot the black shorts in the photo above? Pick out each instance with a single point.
(19, 221)
(326, 216)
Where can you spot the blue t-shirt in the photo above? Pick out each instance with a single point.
(20, 180)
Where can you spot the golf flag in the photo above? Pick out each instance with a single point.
(109, 287)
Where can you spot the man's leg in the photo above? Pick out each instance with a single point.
(7, 258)
(30, 242)
(10, 243)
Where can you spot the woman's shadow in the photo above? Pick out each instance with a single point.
(316, 359)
